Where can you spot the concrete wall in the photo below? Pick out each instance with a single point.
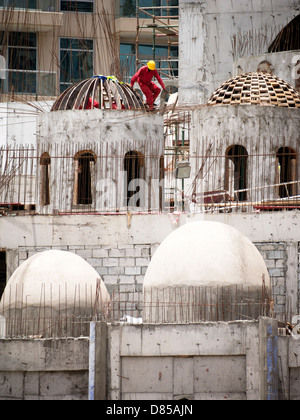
(236, 360)
(199, 361)
(44, 369)
(108, 135)
(283, 65)
(261, 130)
(120, 247)
(213, 34)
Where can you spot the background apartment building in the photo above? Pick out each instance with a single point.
(47, 45)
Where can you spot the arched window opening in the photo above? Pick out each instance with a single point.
(84, 161)
(265, 67)
(286, 163)
(45, 162)
(236, 172)
(134, 166)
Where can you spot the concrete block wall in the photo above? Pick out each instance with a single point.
(275, 257)
(121, 267)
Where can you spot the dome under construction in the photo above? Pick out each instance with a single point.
(256, 89)
(103, 92)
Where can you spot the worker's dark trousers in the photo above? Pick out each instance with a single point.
(151, 91)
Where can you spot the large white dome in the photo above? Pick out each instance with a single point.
(206, 253)
(206, 271)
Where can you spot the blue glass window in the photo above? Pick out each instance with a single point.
(77, 6)
(76, 61)
(21, 58)
(128, 59)
(19, 4)
(128, 7)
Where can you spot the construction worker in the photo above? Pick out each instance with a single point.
(144, 78)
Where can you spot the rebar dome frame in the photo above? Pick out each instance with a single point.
(108, 91)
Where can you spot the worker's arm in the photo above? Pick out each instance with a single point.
(135, 78)
(159, 79)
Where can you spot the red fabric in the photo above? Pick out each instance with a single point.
(114, 106)
(89, 104)
(145, 76)
(151, 91)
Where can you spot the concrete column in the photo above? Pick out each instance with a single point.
(101, 361)
(98, 361)
(292, 279)
(268, 356)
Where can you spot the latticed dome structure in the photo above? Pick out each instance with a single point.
(103, 92)
(256, 89)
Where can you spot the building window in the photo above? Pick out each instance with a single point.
(76, 61)
(163, 63)
(134, 166)
(84, 173)
(236, 172)
(45, 162)
(2, 272)
(160, 7)
(45, 6)
(286, 162)
(20, 52)
(86, 6)
(19, 4)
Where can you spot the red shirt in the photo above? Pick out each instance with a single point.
(145, 76)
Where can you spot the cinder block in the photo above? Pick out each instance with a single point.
(84, 253)
(142, 262)
(126, 262)
(133, 270)
(116, 270)
(110, 262)
(116, 253)
(100, 253)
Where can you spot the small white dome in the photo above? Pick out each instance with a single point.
(206, 254)
(53, 277)
(53, 293)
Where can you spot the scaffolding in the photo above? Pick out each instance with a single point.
(165, 30)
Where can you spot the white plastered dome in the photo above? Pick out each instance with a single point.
(54, 284)
(204, 260)
(61, 274)
(206, 253)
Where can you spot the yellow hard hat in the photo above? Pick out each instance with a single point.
(151, 65)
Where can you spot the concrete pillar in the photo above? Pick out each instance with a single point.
(268, 354)
(292, 279)
(98, 361)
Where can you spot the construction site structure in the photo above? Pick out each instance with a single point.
(163, 22)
